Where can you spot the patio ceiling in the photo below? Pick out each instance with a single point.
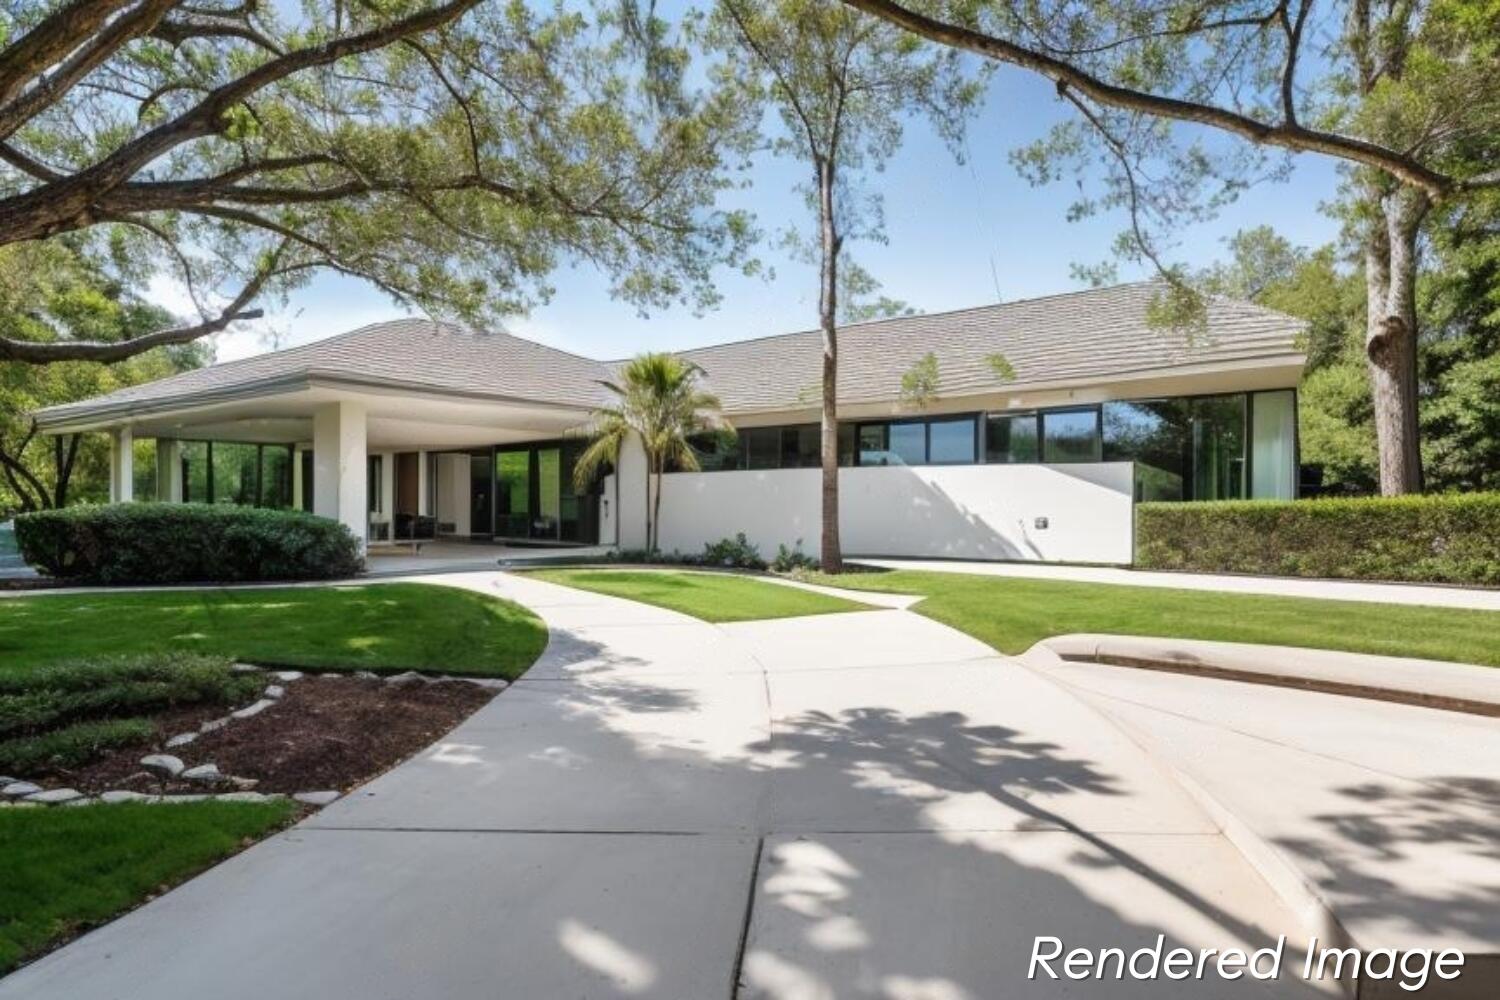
(394, 420)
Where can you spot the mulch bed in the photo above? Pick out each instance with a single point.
(328, 732)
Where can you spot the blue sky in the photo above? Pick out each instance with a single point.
(959, 235)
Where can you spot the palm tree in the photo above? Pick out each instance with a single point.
(659, 400)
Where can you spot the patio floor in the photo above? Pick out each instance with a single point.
(456, 556)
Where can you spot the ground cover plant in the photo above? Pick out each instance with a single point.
(61, 716)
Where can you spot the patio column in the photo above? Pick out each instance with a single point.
(339, 466)
(121, 465)
(298, 486)
(422, 484)
(168, 470)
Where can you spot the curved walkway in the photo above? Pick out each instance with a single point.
(866, 804)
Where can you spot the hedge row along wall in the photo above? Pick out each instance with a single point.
(185, 543)
(1429, 539)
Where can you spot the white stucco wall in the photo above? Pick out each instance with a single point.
(956, 512)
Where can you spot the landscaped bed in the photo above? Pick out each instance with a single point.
(143, 702)
(714, 597)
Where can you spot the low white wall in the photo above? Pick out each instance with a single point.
(953, 512)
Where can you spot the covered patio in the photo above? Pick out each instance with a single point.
(395, 465)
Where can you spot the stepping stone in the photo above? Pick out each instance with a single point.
(244, 668)
(288, 675)
(206, 773)
(316, 798)
(244, 784)
(365, 675)
(213, 725)
(274, 691)
(55, 796)
(123, 795)
(241, 797)
(181, 740)
(408, 677)
(164, 764)
(177, 800)
(255, 709)
(19, 789)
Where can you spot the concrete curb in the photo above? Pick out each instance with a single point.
(1286, 878)
(1453, 687)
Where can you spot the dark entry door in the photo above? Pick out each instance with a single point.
(482, 492)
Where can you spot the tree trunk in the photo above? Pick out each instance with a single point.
(64, 463)
(656, 510)
(830, 553)
(1391, 337)
(650, 545)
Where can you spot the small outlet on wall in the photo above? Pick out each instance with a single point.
(1040, 523)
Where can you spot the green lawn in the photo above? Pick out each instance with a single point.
(69, 869)
(379, 627)
(714, 597)
(1012, 614)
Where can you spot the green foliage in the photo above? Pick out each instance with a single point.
(71, 746)
(733, 553)
(66, 692)
(792, 560)
(920, 383)
(57, 290)
(453, 166)
(1448, 538)
(75, 868)
(1001, 366)
(658, 400)
(1336, 426)
(182, 543)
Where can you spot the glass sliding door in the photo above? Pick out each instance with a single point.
(513, 483)
(1219, 447)
(548, 522)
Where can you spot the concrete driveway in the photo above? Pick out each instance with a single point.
(855, 805)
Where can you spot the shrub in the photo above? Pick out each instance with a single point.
(71, 746)
(1447, 538)
(736, 552)
(793, 560)
(185, 543)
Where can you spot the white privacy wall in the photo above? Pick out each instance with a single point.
(953, 512)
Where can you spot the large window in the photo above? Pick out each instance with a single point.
(1219, 447)
(1070, 436)
(1273, 459)
(253, 475)
(1012, 438)
(1154, 434)
(953, 442)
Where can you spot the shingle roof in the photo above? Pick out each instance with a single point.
(418, 353)
(1090, 335)
(1084, 336)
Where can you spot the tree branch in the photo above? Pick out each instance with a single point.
(1285, 135)
(46, 352)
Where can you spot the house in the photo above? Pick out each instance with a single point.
(1049, 419)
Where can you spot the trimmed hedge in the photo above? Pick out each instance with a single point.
(185, 543)
(1446, 538)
